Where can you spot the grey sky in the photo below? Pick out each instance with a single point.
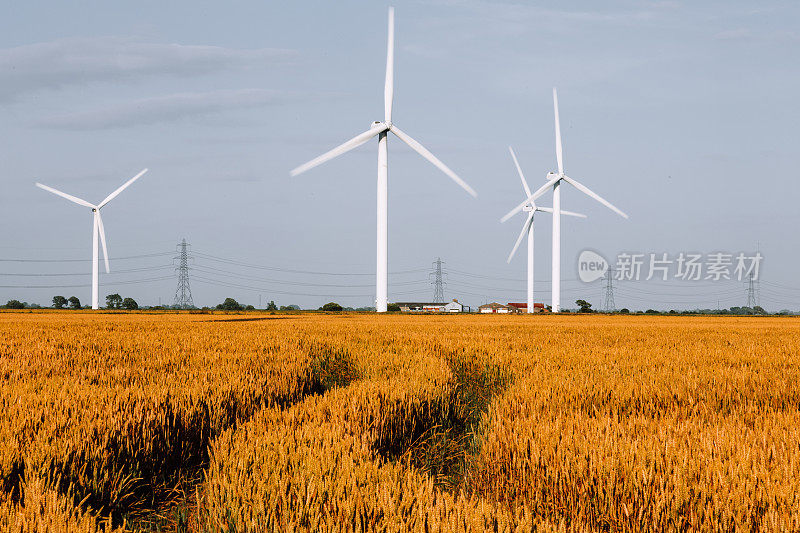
(681, 114)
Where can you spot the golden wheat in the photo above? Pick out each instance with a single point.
(397, 423)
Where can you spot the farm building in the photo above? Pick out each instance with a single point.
(456, 307)
(495, 307)
(421, 307)
(426, 307)
(523, 307)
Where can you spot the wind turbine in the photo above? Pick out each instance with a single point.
(97, 228)
(554, 180)
(381, 130)
(527, 227)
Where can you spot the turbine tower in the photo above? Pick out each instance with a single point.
(97, 229)
(554, 180)
(527, 228)
(381, 130)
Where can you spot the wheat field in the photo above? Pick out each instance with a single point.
(350, 422)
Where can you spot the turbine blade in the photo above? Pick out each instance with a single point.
(522, 233)
(119, 190)
(65, 195)
(421, 150)
(388, 91)
(588, 192)
(568, 213)
(559, 153)
(102, 237)
(519, 169)
(573, 214)
(540, 191)
(355, 142)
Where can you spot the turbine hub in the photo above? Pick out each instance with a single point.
(528, 208)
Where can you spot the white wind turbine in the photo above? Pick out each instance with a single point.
(554, 180)
(381, 130)
(96, 230)
(527, 227)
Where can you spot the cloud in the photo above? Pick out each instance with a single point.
(515, 11)
(739, 34)
(57, 64)
(164, 109)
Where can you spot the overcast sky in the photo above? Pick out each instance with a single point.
(683, 114)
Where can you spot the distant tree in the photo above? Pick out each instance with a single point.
(230, 305)
(114, 301)
(651, 312)
(624, 311)
(290, 307)
(15, 304)
(759, 310)
(59, 302)
(392, 308)
(271, 306)
(74, 303)
(331, 306)
(585, 307)
(129, 304)
(249, 308)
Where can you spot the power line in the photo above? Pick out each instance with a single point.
(59, 274)
(127, 282)
(261, 289)
(20, 260)
(211, 270)
(294, 271)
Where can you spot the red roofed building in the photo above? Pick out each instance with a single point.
(523, 307)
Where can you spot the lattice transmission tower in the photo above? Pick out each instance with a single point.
(608, 296)
(183, 295)
(438, 281)
(752, 292)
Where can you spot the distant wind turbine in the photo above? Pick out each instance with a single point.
(554, 180)
(96, 230)
(527, 227)
(381, 130)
